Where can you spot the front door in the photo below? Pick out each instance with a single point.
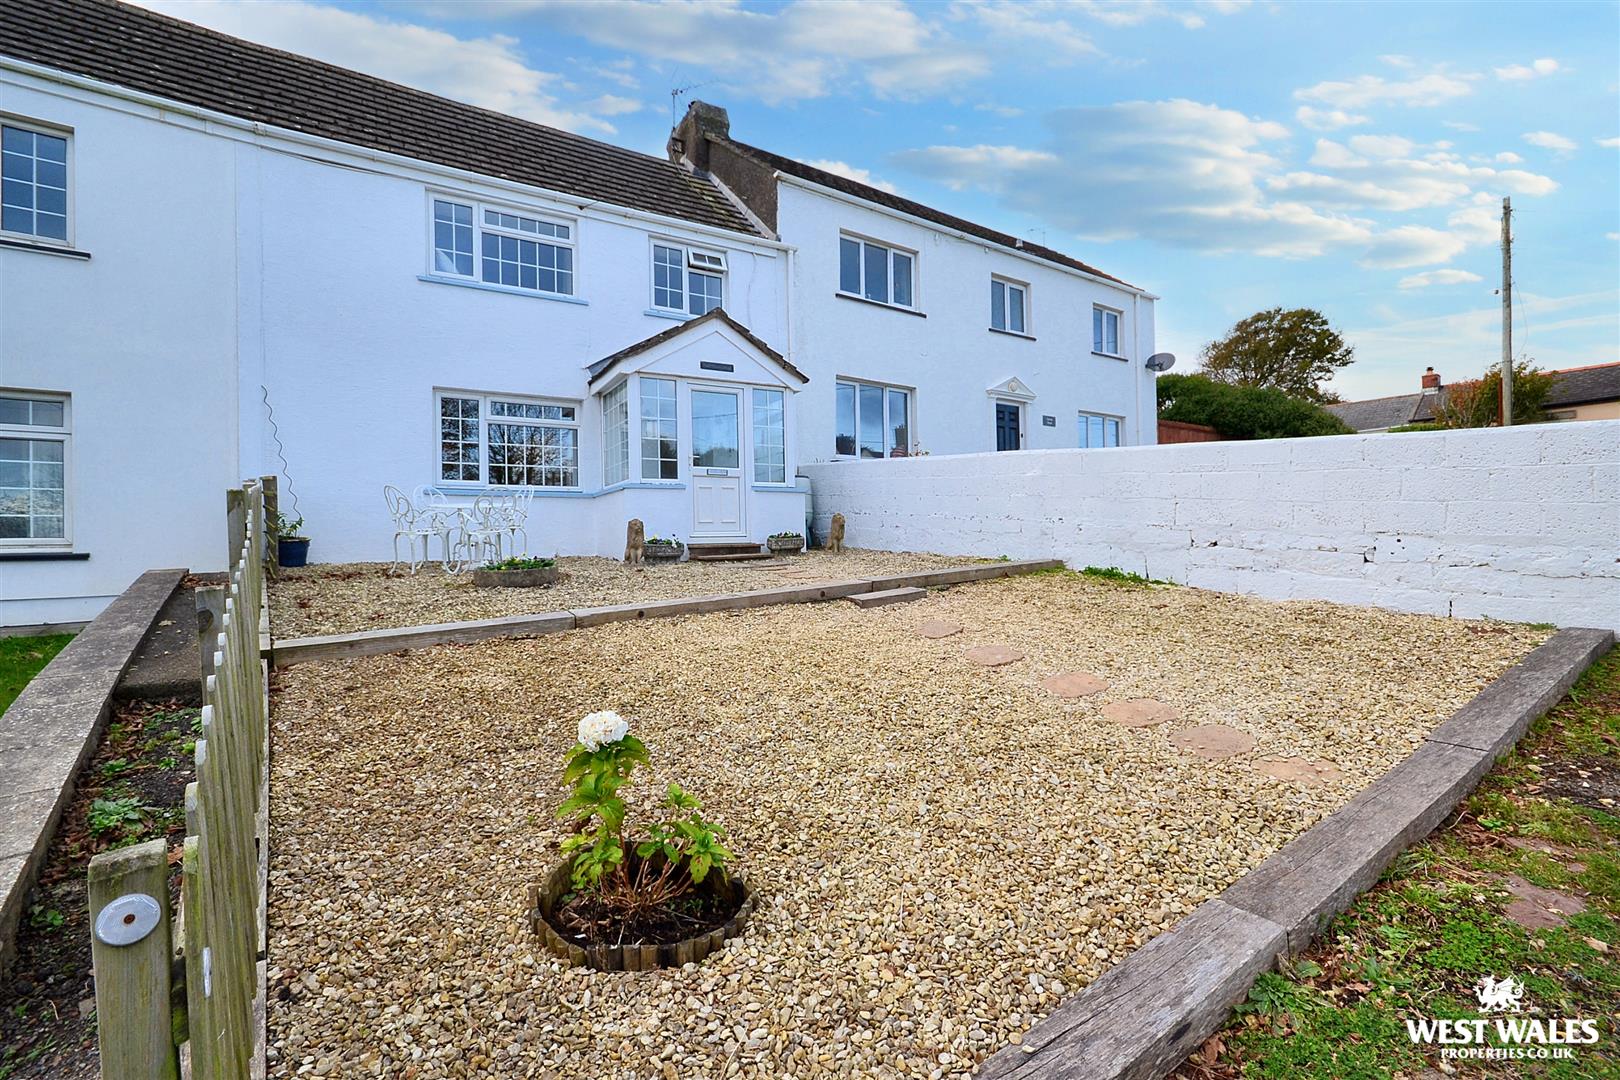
(1006, 426)
(717, 476)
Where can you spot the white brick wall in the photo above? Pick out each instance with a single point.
(1519, 523)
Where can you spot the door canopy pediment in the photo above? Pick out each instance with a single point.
(1014, 389)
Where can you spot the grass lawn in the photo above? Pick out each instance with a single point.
(21, 658)
(1415, 945)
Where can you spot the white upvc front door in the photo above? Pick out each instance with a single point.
(719, 496)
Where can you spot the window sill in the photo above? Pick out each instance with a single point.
(1109, 355)
(880, 304)
(1011, 333)
(787, 488)
(644, 485)
(475, 490)
(14, 244)
(508, 290)
(676, 316)
(43, 556)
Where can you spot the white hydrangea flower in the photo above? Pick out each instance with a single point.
(600, 728)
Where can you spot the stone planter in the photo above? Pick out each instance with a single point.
(544, 898)
(785, 545)
(663, 552)
(515, 579)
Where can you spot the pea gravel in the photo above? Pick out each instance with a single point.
(944, 851)
(340, 598)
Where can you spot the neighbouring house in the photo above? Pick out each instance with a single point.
(1582, 393)
(219, 259)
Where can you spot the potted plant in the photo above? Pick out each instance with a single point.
(517, 572)
(619, 904)
(785, 543)
(292, 547)
(662, 549)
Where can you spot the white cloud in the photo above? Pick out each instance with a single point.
(1385, 193)
(1397, 60)
(1508, 157)
(1328, 119)
(1610, 143)
(1436, 88)
(1612, 236)
(1438, 277)
(1332, 155)
(487, 71)
(1549, 140)
(1008, 111)
(1384, 146)
(1522, 72)
(850, 172)
(1459, 125)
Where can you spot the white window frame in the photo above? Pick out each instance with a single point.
(616, 453)
(1007, 284)
(640, 437)
(479, 208)
(55, 131)
(484, 419)
(1119, 433)
(42, 433)
(754, 427)
(695, 261)
(1100, 347)
(888, 429)
(892, 249)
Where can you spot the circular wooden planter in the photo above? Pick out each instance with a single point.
(515, 579)
(785, 545)
(543, 899)
(662, 552)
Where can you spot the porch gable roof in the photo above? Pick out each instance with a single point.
(603, 367)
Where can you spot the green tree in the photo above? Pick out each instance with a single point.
(1474, 403)
(1243, 412)
(1294, 351)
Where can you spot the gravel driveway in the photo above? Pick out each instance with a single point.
(944, 850)
(336, 598)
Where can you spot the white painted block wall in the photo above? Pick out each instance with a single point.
(1520, 524)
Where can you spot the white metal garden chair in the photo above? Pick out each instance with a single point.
(425, 515)
(481, 532)
(408, 527)
(514, 509)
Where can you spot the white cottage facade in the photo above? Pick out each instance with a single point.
(350, 284)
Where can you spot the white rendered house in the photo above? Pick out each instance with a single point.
(220, 260)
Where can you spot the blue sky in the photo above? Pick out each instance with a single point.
(1227, 156)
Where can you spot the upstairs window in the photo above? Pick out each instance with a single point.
(508, 441)
(500, 247)
(33, 184)
(1105, 331)
(876, 272)
(34, 437)
(1009, 302)
(688, 280)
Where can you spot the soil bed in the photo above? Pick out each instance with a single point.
(132, 790)
(336, 598)
(947, 850)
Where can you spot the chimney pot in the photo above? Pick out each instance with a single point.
(1431, 379)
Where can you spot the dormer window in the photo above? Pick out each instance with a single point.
(687, 280)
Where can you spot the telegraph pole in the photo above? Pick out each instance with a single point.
(1507, 313)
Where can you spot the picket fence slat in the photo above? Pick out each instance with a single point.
(224, 858)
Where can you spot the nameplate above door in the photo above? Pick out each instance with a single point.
(715, 365)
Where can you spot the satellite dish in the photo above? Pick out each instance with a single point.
(1161, 361)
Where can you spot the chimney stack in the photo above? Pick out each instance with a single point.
(691, 136)
(1431, 379)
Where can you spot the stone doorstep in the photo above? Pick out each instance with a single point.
(1146, 1014)
(885, 597)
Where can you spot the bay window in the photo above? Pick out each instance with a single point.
(658, 445)
(616, 434)
(873, 421)
(770, 442)
(876, 272)
(507, 441)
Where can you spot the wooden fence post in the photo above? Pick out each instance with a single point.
(210, 610)
(235, 525)
(272, 514)
(134, 1023)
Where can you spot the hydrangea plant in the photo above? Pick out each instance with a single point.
(679, 851)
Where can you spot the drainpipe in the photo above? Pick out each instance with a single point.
(1136, 371)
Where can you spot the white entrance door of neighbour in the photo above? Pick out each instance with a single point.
(717, 464)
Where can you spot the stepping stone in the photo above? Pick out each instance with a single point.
(1535, 908)
(1139, 712)
(993, 655)
(1073, 684)
(938, 628)
(885, 597)
(1213, 741)
(1299, 771)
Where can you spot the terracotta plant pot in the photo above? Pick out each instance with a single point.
(663, 552)
(544, 899)
(514, 579)
(785, 545)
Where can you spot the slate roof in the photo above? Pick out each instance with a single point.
(152, 53)
(1585, 385)
(887, 199)
(1374, 414)
(600, 368)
